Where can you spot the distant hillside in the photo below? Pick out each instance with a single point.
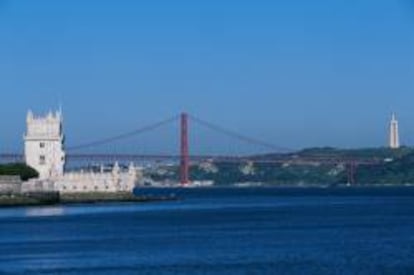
(270, 173)
(398, 171)
(381, 153)
(393, 167)
(363, 153)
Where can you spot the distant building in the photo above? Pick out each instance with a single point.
(44, 151)
(394, 133)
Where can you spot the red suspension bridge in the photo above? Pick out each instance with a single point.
(280, 155)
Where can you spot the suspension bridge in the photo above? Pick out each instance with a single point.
(279, 154)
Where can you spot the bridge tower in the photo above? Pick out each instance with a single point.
(351, 172)
(184, 154)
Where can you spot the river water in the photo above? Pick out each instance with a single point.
(218, 231)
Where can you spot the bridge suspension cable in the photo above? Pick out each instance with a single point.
(238, 136)
(123, 136)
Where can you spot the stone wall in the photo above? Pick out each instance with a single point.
(87, 182)
(36, 185)
(10, 184)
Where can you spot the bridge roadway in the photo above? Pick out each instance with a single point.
(276, 159)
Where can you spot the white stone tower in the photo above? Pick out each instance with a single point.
(394, 133)
(44, 141)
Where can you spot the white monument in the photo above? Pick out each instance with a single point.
(394, 133)
(44, 151)
(44, 145)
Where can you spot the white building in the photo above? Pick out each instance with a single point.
(44, 145)
(114, 181)
(394, 138)
(44, 151)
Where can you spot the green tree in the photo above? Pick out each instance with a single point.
(18, 169)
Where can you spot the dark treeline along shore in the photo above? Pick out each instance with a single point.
(18, 169)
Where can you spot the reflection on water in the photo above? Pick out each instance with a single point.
(45, 211)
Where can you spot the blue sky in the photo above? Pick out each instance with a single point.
(294, 73)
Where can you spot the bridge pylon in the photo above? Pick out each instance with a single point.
(351, 172)
(184, 151)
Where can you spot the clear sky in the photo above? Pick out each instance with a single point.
(295, 73)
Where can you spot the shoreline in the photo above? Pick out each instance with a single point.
(22, 200)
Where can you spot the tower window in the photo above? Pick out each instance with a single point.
(42, 160)
(42, 145)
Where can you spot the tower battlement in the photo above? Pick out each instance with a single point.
(41, 127)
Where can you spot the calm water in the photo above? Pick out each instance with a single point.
(218, 231)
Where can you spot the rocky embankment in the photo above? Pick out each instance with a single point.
(46, 198)
(97, 197)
